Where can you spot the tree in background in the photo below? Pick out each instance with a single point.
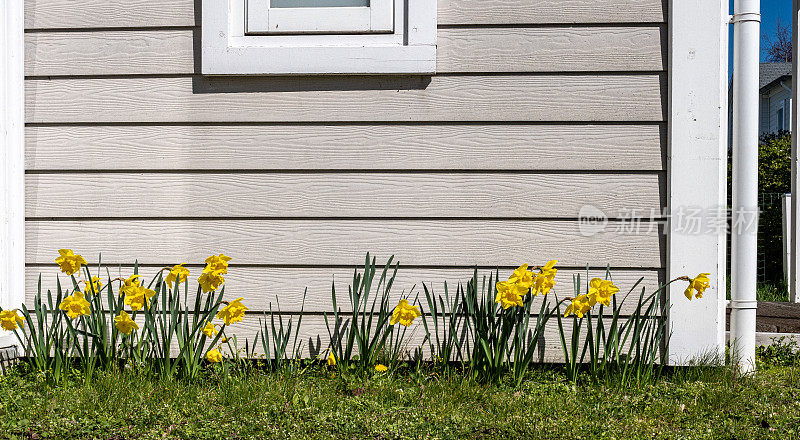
(779, 48)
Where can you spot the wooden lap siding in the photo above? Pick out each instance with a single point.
(539, 108)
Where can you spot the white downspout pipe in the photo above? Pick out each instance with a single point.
(744, 215)
(794, 268)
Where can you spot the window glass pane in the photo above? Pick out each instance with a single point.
(317, 3)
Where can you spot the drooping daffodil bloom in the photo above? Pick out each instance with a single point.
(544, 281)
(178, 272)
(138, 297)
(125, 324)
(69, 262)
(233, 312)
(10, 320)
(699, 284)
(404, 313)
(209, 329)
(579, 306)
(94, 287)
(214, 356)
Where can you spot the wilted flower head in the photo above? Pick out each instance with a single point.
(69, 262)
(75, 305)
(233, 312)
(699, 283)
(331, 359)
(404, 313)
(124, 323)
(9, 320)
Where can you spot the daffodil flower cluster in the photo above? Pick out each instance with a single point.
(212, 277)
(600, 291)
(510, 293)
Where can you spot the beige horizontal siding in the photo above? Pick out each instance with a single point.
(325, 242)
(443, 98)
(340, 195)
(540, 107)
(259, 286)
(550, 49)
(346, 147)
(157, 13)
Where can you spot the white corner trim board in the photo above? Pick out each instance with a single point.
(238, 41)
(12, 159)
(698, 42)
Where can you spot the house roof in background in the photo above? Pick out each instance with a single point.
(770, 73)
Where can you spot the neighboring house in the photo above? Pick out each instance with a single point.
(775, 98)
(157, 133)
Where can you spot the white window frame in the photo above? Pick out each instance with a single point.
(378, 17)
(228, 49)
(779, 114)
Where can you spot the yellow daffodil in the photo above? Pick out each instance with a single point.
(331, 359)
(509, 294)
(211, 280)
(75, 305)
(404, 313)
(9, 320)
(699, 283)
(214, 356)
(138, 297)
(522, 277)
(94, 288)
(233, 312)
(129, 285)
(579, 306)
(69, 261)
(218, 263)
(178, 272)
(380, 368)
(601, 291)
(209, 330)
(125, 324)
(545, 279)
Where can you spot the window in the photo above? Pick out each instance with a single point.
(307, 37)
(319, 16)
(780, 117)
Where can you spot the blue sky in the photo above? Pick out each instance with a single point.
(771, 12)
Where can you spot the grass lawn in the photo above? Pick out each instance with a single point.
(698, 403)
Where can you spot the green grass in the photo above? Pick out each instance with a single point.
(686, 403)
